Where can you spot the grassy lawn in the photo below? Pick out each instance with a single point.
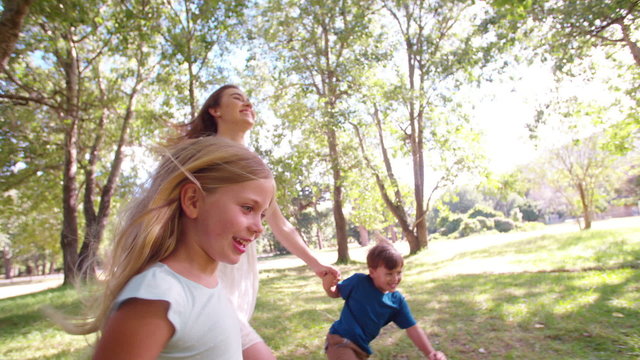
(568, 296)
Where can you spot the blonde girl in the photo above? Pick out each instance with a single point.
(229, 114)
(203, 206)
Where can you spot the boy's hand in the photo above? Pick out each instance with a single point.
(437, 355)
(329, 280)
(330, 285)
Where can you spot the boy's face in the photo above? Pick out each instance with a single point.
(384, 279)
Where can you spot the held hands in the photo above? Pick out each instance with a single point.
(323, 270)
(329, 280)
(437, 355)
(330, 285)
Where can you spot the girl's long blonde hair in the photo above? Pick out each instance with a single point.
(149, 227)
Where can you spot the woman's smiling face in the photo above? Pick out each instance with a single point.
(235, 111)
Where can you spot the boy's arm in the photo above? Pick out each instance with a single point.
(330, 285)
(421, 340)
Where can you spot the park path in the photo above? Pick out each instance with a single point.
(29, 285)
(439, 251)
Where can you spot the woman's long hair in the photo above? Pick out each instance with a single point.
(150, 225)
(204, 124)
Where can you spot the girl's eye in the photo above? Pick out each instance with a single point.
(247, 208)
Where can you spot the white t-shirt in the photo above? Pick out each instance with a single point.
(206, 324)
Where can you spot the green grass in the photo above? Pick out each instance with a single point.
(26, 334)
(569, 296)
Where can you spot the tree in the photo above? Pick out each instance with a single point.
(316, 50)
(196, 37)
(87, 100)
(11, 21)
(569, 29)
(581, 171)
(439, 50)
(569, 32)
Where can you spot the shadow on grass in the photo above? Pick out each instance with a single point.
(589, 315)
(581, 315)
(27, 334)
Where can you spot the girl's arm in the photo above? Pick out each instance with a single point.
(291, 240)
(139, 329)
(421, 340)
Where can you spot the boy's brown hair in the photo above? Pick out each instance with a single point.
(384, 254)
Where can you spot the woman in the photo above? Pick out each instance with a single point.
(228, 113)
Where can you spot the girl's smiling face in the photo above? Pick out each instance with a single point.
(230, 218)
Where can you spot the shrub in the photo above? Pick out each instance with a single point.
(485, 211)
(485, 224)
(503, 224)
(530, 211)
(449, 223)
(468, 227)
(516, 215)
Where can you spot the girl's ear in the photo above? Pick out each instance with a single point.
(190, 200)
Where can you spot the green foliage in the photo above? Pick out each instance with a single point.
(484, 211)
(530, 211)
(485, 223)
(461, 200)
(448, 223)
(516, 215)
(503, 224)
(469, 226)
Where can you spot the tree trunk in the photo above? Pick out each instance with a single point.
(633, 47)
(10, 24)
(392, 233)
(586, 209)
(364, 235)
(97, 222)
(69, 234)
(6, 262)
(338, 214)
(318, 227)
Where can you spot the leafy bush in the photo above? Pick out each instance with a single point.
(503, 224)
(516, 215)
(530, 211)
(485, 211)
(449, 223)
(460, 201)
(468, 227)
(486, 224)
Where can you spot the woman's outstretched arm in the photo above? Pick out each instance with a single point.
(289, 237)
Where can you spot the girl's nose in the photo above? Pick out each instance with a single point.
(257, 227)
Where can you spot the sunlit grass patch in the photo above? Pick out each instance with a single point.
(25, 333)
(574, 296)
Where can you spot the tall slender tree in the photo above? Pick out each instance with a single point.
(440, 42)
(197, 35)
(316, 51)
(77, 43)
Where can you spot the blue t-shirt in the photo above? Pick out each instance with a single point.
(367, 310)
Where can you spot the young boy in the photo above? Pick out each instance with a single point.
(371, 302)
